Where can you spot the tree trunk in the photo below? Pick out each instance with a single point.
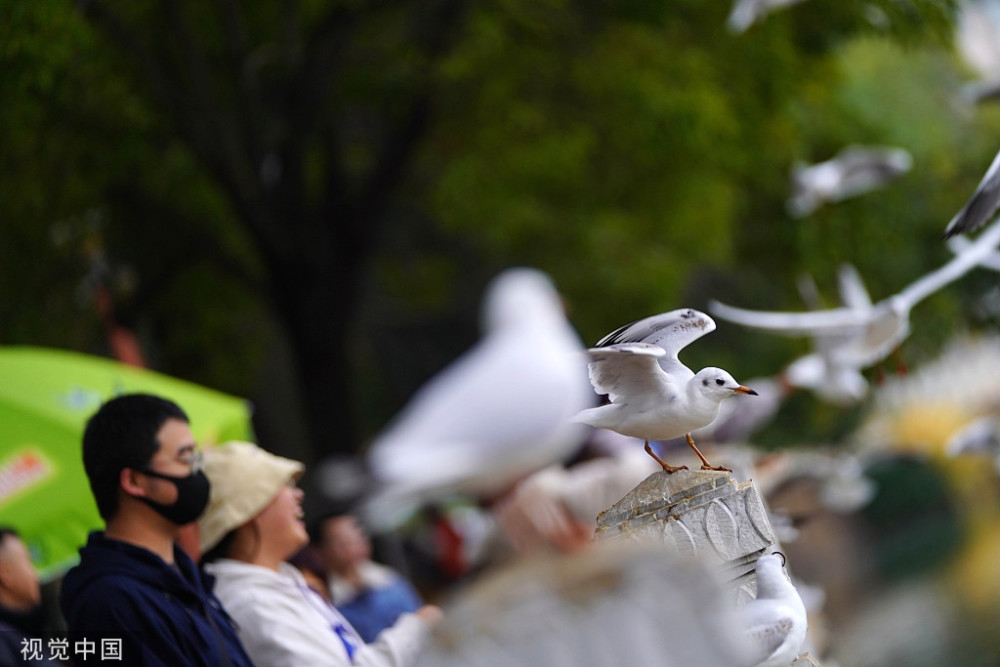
(317, 305)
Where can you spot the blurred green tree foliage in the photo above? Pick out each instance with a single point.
(305, 198)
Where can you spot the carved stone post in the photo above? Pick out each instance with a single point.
(700, 513)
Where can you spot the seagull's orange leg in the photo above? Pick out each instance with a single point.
(901, 368)
(666, 467)
(705, 465)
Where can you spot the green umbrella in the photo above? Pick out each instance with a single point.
(46, 397)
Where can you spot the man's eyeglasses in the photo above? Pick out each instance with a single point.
(195, 459)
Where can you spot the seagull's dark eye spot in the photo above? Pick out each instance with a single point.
(720, 382)
(705, 382)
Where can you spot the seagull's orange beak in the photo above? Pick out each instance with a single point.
(745, 390)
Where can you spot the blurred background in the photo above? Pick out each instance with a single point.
(300, 203)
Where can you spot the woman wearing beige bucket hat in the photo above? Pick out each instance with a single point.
(252, 525)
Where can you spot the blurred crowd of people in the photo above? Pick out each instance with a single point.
(207, 557)
(193, 567)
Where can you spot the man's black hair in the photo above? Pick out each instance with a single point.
(122, 434)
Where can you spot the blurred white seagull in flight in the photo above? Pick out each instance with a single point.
(497, 413)
(747, 12)
(868, 333)
(981, 436)
(653, 395)
(833, 370)
(853, 171)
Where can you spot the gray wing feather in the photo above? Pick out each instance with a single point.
(624, 370)
(672, 331)
(981, 206)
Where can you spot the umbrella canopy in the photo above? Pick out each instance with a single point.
(46, 397)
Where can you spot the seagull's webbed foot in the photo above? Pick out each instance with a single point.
(705, 465)
(666, 468)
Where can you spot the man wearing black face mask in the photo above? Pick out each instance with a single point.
(134, 586)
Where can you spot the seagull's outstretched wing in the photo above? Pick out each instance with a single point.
(793, 324)
(627, 369)
(981, 206)
(973, 255)
(958, 245)
(815, 368)
(853, 292)
(672, 331)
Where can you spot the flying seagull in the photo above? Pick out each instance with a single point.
(979, 437)
(747, 12)
(832, 370)
(976, 42)
(653, 395)
(853, 171)
(869, 333)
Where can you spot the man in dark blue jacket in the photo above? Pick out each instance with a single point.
(135, 591)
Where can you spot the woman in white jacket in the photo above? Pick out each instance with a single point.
(252, 525)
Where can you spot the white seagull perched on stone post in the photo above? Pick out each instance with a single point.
(653, 395)
(776, 621)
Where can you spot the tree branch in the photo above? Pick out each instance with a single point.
(397, 151)
(156, 78)
(228, 153)
(308, 87)
(320, 54)
(245, 78)
(203, 138)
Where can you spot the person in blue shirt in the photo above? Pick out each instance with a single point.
(369, 595)
(134, 585)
